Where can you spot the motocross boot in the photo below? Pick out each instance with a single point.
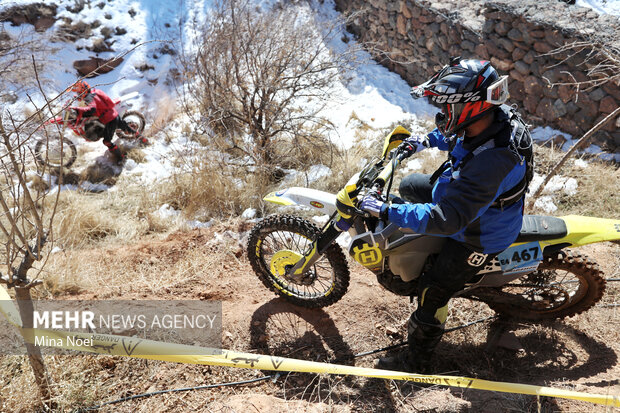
(141, 139)
(422, 339)
(118, 155)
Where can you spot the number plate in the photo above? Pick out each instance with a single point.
(521, 257)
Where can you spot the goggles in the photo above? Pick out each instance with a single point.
(497, 93)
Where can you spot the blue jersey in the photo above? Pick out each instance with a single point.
(463, 195)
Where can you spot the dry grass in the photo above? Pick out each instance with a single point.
(84, 219)
(165, 111)
(598, 183)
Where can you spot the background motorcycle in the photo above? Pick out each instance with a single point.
(536, 278)
(55, 152)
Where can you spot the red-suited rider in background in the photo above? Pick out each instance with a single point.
(98, 104)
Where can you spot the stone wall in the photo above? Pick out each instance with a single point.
(520, 39)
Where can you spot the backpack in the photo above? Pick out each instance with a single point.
(521, 142)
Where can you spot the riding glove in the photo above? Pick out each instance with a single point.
(374, 206)
(414, 144)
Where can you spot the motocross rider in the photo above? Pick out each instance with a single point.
(99, 104)
(475, 199)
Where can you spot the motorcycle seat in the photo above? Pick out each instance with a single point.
(540, 227)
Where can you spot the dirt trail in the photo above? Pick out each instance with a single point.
(578, 354)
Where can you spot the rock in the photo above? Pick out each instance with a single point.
(583, 119)
(554, 75)
(509, 341)
(518, 54)
(502, 28)
(559, 107)
(551, 91)
(495, 51)
(531, 102)
(507, 44)
(40, 15)
(529, 57)
(515, 35)
(533, 86)
(608, 104)
(566, 93)
(612, 89)
(481, 51)
(547, 110)
(99, 46)
(515, 74)
(96, 66)
(515, 89)
(587, 104)
(401, 26)
(503, 65)
(405, 11)
(391, 331)
(467, 45)
(610, 126)
(522, 68)
(597, 94)
(430, 45)
(426, 18)
(542, 47)
(570, 126)
(488, 26)
(554, 38)
(571, 107)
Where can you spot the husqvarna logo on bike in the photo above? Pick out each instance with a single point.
(476, 259)
(367, 255)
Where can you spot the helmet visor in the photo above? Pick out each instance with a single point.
(497, 93)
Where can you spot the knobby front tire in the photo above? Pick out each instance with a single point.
(326, 281)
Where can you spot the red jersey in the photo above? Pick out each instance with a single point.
(102, 104)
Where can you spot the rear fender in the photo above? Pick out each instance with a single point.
(587, 230)
(322, 202)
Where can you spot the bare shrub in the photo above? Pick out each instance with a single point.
(260, 81)
(17, 68)
(208, 185)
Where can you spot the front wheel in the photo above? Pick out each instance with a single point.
(279, 238)
(135, 120)
(55, 153)
(565, 284)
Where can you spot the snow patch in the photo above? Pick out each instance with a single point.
(249, 213)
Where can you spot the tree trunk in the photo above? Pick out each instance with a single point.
(26, 308)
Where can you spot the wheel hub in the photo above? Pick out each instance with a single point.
(285, 259)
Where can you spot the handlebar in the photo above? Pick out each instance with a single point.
(389, 169)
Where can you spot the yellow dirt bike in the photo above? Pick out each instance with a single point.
(536, 278)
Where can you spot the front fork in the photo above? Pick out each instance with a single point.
(319, 246)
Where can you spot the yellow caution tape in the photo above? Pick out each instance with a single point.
(180, 353)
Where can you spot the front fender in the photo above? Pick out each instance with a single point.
(323, 202)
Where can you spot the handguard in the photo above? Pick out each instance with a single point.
(346, 200)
